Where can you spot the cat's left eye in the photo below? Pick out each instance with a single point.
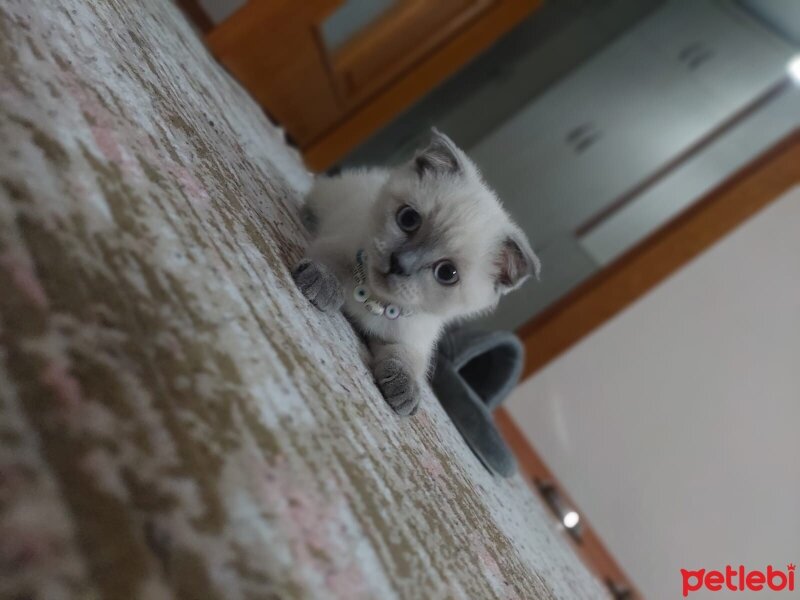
(445, 272)
(408, 219)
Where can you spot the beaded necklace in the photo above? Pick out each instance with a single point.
(362, 295)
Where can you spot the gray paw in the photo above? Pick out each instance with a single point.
(398, 386)
(319, 285)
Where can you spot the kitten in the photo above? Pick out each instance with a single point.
(405, 251)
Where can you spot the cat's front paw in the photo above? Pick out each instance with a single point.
(398, 385)
(319, 285)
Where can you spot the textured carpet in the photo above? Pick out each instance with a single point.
(175, 419)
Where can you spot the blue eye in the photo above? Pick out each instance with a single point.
(445, 272)
(408, 219)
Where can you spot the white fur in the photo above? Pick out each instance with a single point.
(462, 221)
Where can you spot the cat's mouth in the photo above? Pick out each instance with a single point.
(392, 288)
(387, 286)
(379, 281)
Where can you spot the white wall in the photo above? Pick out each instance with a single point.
(675, 425)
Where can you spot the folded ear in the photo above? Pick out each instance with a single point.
(441, 156)
(516, 262)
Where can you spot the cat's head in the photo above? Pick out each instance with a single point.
(441, 242)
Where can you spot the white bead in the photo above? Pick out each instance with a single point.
(392, 312)
(375, 307)
(360, 293)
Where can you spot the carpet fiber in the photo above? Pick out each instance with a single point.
(175, 419)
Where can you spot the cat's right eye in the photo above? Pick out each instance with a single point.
(445, 272)
(408, 219)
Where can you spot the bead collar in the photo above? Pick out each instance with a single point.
(362, 295)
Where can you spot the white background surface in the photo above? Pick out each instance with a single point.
(674, 426)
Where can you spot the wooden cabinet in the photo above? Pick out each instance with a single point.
(331, 98)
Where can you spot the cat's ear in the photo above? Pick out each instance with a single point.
(441, 156)
(515, 263)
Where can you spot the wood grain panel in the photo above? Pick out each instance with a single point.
(429, 72)
(274, 49)
(397, 41)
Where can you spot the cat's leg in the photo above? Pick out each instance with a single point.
(317, 277)
(399, 371)
(318, 283)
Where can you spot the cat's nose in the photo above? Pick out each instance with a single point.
(399, 264)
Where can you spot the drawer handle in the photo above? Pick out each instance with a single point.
(695, 54)
(582, 137)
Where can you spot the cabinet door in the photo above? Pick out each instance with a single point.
(394, 41)
(311, 63)
(720, 48)
(572, 152)
(599, 135)
(273, 48)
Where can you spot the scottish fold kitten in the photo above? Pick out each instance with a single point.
(405, 251)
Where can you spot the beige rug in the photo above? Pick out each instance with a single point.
(175, 419)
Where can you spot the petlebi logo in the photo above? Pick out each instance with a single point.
(739, 580)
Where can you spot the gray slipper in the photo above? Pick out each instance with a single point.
(475, 372)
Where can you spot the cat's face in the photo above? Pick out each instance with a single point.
(440, 242)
